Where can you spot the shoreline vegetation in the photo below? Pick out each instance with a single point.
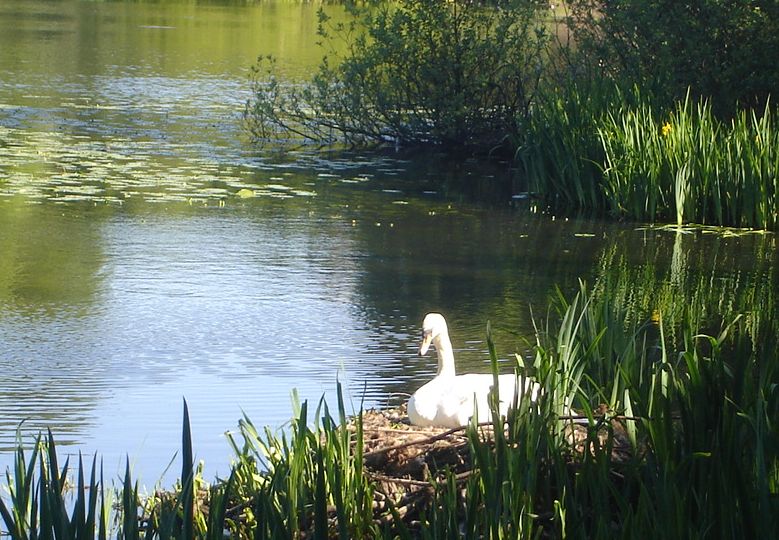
(634, 110)
(673, 434)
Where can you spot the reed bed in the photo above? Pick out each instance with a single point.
(687, 166)
(560, 154)
(612, 152)
(635, 435)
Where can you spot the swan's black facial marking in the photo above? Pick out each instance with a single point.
(427, 339)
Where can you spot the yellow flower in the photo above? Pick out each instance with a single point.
(666, 129)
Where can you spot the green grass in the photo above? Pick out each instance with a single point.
(599, 150)
(560, 152)
(686, 166)
(699, 413)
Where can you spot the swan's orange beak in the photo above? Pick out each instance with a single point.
(427, 339)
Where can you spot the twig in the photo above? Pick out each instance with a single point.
(615, 417)
(599, 417)
(395, 430)
(418, 483)
(426, 440)
(452, 431)
(402, 481)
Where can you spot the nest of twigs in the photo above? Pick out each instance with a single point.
(406, 461)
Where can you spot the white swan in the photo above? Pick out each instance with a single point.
(449, 400)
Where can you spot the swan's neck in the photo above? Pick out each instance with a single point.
(445, 355)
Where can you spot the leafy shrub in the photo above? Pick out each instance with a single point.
(416, 72)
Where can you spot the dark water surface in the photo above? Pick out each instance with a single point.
(148, 253)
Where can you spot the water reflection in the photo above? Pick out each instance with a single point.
(696, 275)
(49, 287)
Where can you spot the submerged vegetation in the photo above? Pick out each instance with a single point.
(557, 88)
(669, 437)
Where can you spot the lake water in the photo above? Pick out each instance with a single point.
(148, 253)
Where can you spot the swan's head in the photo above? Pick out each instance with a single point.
(433, 326)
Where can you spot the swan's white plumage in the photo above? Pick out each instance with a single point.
(450, 400)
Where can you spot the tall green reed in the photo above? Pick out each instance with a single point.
(688, 166)
(596, 148)
(307, 480)
(40, 506)
(45, 503)
(560, 150)
(700, 415)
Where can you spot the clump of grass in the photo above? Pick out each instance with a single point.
(45, 503)
(598, 149)
(705, 407)
(688, 166)
(560, 151)
(307, 481)
(39, 504)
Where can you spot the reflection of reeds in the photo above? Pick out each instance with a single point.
(689, 289)
(695, 423)
(707, 438)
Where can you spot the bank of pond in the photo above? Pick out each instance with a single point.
(644, 427)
